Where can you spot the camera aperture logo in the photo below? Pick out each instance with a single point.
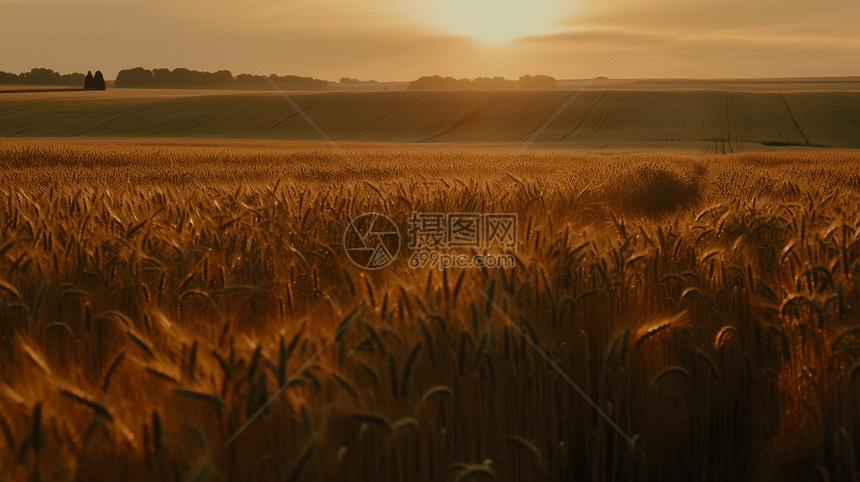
(371, 241)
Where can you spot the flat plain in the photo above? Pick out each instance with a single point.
(699, 120)
(685, 303)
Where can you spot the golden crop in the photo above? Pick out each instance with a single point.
(154, 297)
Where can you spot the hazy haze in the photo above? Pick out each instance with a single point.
(404, 39)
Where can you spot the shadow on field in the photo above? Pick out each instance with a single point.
(653, 189)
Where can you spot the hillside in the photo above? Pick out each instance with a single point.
(703, 120)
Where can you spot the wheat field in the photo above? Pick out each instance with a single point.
(702, 121)
(154, 297)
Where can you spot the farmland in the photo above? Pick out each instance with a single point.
(154, 294)
(703, 120)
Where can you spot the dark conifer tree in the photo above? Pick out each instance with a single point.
(88, 82)
(99, 81)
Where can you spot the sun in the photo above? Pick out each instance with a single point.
(496, 21)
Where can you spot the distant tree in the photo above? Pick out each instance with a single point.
(294, 82)
(222, 77)
(160, 77)
(437, 82)
(88, 82)
(536, 82)
(186, 78)
(8, 78)
(99, 81)
(180, 77)
(494, 83)
(77, 79)
(348, 80)
(248, 78)
(136, 77)
(40, 77)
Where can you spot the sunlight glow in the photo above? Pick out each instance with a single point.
(496, 21)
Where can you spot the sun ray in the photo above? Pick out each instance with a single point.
(496, 21)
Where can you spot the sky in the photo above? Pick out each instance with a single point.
(401, 40)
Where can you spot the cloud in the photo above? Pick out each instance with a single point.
(580, 37)
(727, 38)
(823, 18)
(716, 54)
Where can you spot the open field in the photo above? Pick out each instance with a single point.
(704, 121)
(154, 296)
(823, 84)
(748, 85)
(16, 88)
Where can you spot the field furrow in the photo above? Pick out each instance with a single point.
(717, 121)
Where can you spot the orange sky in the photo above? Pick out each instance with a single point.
(404, 39)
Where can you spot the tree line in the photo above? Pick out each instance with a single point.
(347, 80)
(184, 78)
(42, 76)
(437, 82)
